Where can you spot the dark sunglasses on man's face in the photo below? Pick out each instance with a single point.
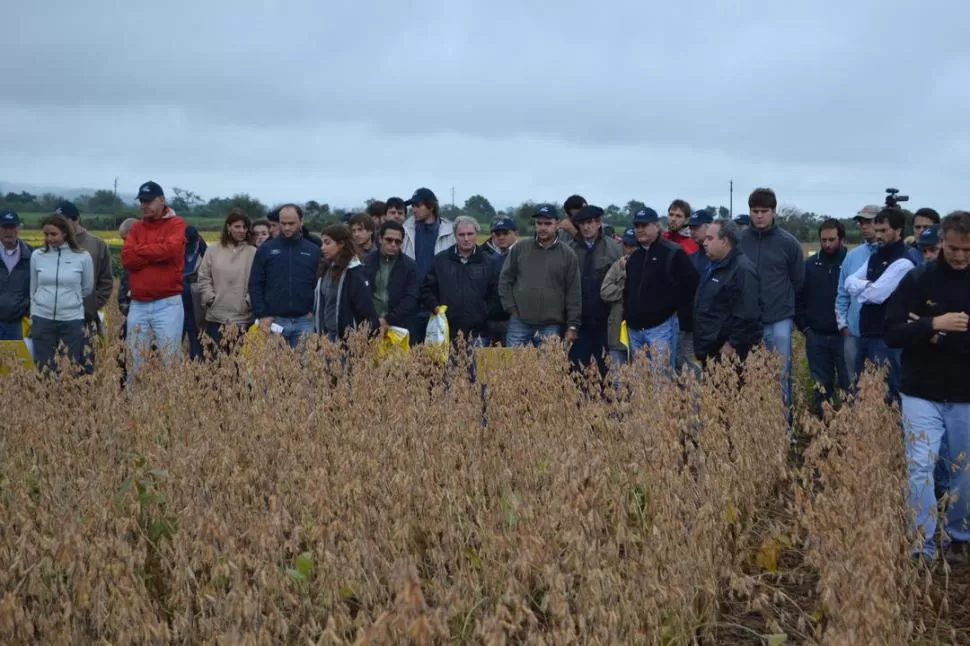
(393, 240)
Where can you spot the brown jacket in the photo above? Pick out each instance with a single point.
(103, 279)
(224, 284)
(611, 291)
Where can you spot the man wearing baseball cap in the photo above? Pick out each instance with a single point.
(929, 243)
(426, 234)
(103, 277)
(503, 236)
(611, 291)
(742, 221)
(154, 255)
(14, 277)
(540, 285)
(848, 308)
(596, 254)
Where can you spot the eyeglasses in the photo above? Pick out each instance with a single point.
(396, 241)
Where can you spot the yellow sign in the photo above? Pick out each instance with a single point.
(17, 353)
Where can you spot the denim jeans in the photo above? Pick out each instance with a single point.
(48, 335)
(521, 333)
(778, 338)
(11, 330)
(661, 340)
(926, 423)
(874, 349)
(214, 333)
(158, 321)
(591, 344)
(826, 362)
(295, 329)
(850, 352)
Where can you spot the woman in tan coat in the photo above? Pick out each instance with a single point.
(224, 281)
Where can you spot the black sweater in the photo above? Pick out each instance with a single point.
(660, 281)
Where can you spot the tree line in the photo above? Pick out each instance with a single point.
(104, 209)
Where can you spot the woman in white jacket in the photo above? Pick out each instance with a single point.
(61, 275)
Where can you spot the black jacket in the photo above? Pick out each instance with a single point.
(403, 288)
(815, 301)
(593, 264)
(780, 262)
(355, 304)
(728, 308)
(468, 288)
(660, 281)
(940, 371)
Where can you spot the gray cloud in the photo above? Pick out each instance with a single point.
(828, 103)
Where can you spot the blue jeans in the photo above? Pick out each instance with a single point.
(660, 340)
(591, 344)
(11, 330)
(214, 331)
(777, 338)
(850, 354)
(157, 321)
(294, 328)
(521, 333)
(926, 424)
(874, 349)
(826, 362)
(48, 335)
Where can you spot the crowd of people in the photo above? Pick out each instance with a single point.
(701, 291)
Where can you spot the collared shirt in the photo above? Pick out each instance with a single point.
(11, 256)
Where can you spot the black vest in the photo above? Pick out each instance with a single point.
(872, 318)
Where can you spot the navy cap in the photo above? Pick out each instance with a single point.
(68, 210)
(149, 191)
(588, 212)
(698, 218)
(630, 237)
(546, 211)
(930, 237)
(504, 224)
(9, 218)
(744, 220)
(422, 196)
(645, 216)
(273, 216)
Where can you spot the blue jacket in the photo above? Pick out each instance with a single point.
(815, 301)
(283, 277)
(847, 309)
(15, 287)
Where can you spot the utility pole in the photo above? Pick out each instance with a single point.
(731, 207)
(452, 196)
(116, 187)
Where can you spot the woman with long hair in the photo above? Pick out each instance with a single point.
(342, 300)
(61, 275)
(224, 280)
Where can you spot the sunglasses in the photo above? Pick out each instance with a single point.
(393, 240)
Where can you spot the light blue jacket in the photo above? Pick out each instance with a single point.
(847, 308)
(60, 278)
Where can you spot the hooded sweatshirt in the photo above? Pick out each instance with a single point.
(224, 283)
(154, 255)
(60, 279)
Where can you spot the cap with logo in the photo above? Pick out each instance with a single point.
(504, 224)
(546, 211)
(645, 216)
(149, 191)
(9, 218)
(630, 237)
(68, 210)
(703, 216)
(588, 212)
(930, 237)
(743, 220)
(422, 196)
(868, 212)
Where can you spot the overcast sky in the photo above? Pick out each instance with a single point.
(827, 102)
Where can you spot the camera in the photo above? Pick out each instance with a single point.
(893, 198)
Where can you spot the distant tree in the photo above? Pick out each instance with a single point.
(449, 211)
(253, 207)
(723, 212)
(49, 201)
(632, 207)
(311, 209)
(105, 202)
(184, 201)
(613, 214)
(479, 208)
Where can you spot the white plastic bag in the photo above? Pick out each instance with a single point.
(437, 335)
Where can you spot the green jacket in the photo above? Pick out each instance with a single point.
(542, 286)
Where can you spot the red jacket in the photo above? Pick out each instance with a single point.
(686, 242)
(154, 255)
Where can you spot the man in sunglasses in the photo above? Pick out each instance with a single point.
(393, 278)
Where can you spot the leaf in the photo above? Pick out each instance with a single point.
(730, 514)
(140, 460)
(163, 528)
(768, 554)
(776, 639)
(473, 557)
(295, 575)
(346, 592)
(304, 564)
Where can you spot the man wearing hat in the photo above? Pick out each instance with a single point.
(103, 277)
(154, 255)
(742, 221)
(596, 254)
(848, 308)
(503, 236)
(611, 291)
(567, 229)
(929, 243)
(426, 234)
(660, 285)
(14, 277)
(698, 223)
(540, 285)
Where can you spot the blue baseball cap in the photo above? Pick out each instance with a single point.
(588, 212)
(697, 218)
(744, 220)
(630, 237)
(68, 210)
(9, 218)
(422, 196)
(930, 237)
(149, 191)
(504, 224)
(546, 211)
(645, 216)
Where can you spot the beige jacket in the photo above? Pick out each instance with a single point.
(611, 291)
(224, 284)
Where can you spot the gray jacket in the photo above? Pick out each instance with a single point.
(542, 286)
(103, 278)
(780, 263)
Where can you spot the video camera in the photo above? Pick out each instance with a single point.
(893, 198)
